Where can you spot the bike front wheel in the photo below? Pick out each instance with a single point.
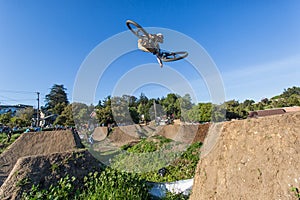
(136, 29)
(168, 57)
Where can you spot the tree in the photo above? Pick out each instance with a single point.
(185, 104)
(5, 118)
(291, 91)
(143, 107)
(205, 112)
(293, 100)
(66, 117)
(104, 112)
(134, 115)
(120, 110)
(172, 105)
(56, 99)
(233, 109)
(23, 117)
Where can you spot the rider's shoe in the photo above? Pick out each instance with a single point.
(159, 61)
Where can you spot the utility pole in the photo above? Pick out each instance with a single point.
(154, 107)
(38, 110)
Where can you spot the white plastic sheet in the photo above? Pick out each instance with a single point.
(182, 186)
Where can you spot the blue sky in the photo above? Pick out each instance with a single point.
(254, 44)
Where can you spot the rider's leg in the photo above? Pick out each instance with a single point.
(158, 57)
(159, 61)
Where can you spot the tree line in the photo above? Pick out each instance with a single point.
(129, 109)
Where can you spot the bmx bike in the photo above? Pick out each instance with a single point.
(141, 33)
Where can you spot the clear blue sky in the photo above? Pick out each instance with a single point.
(254, 44)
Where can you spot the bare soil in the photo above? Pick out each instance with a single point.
(35, 143)
(45, 157)
(44, 170)
(251, 159)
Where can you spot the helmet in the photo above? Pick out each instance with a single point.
(160, 37)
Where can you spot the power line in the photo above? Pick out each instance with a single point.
(16, 91)
(17, 99)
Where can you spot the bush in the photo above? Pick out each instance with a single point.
(109, 184)
(143, 160)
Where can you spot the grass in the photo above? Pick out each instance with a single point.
(148, 156)
(117, 183)
(4, 140)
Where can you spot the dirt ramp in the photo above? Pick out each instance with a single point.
(252, 159)
(119, 137)
(201, 132)
(181, 133)
(100, 133)
(35, 143)
(44, 170)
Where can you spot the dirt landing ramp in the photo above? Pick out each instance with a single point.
(124, 135)
(35, 143)
(100, 133)
(44, 170)
(181, 133)
(252, 159)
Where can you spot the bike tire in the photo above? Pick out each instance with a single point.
(175, 56)
(139, 29)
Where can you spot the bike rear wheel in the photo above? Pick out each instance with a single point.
(136, 29)
(172, 56)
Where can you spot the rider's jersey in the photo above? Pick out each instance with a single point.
(148, 45)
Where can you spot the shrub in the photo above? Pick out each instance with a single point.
(109, 184)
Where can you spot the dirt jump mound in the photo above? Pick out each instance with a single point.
(125, 135)
(100, 133)
(44, 170)
(36, 143)
(252, 159)
(185, 133)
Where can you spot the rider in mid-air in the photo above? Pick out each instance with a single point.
(152, 45)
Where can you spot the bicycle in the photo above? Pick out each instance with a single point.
(141, 33)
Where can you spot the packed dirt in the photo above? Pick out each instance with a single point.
(255, 158)
(35, 143)
(44, 170)
(131, 134)
(45, 157)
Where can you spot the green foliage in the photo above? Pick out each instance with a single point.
(295, 190)
(64, 189)
(134, 114)
(139, 159)
(183, 167)
(146, 146)
(129, 109)
(186, 105)
(5, 118)
(4, 140)
(56, 100)
(24, 117)
(171, 105)
(112, 184)
(171, 196)
(23, 182)
(104, 112)
(109, 184)
(54, 167)
(120, 110)
(291, 91)
(143, 147)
